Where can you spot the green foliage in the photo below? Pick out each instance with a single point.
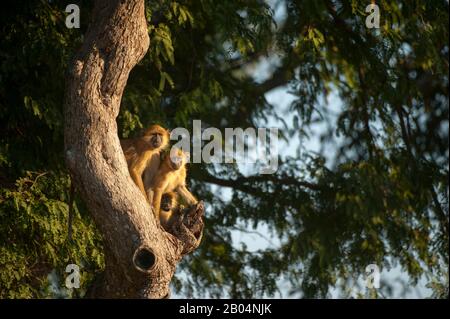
(383, 198)
(33, 237)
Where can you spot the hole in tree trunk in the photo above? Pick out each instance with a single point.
(144, 259)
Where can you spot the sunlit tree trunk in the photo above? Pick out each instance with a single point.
(140, 256)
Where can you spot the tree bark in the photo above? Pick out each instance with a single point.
(140, 256)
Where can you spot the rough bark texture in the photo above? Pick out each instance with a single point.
(140, 256)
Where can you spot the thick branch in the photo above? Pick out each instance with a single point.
(242, 183)
(280, 77)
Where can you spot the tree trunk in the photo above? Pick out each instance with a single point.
(140, 256)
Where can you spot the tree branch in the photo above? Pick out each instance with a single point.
(241, 183)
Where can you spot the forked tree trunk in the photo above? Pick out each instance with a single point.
(140, 256)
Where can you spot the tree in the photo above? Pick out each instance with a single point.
(140, 256)
(382, 198)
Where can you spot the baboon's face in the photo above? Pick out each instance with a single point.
(157, 136)
(166, 203)
(156, 140)
(176, 158)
